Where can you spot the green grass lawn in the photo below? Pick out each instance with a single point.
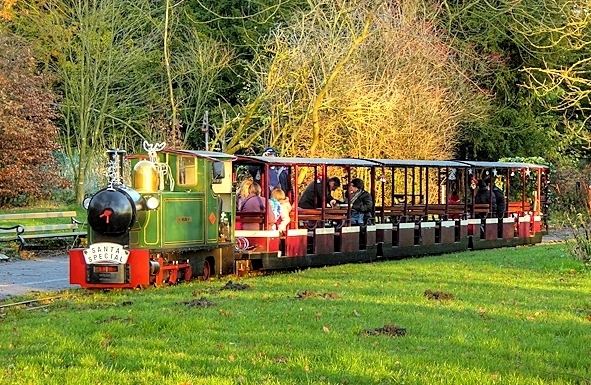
(518, 316)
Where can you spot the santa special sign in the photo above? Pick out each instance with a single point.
(106, 252)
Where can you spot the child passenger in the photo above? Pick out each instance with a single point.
(285, 208)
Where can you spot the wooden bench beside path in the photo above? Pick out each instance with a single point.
(23, 232)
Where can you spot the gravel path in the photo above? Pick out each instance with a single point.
(557, 235)
(39, 274)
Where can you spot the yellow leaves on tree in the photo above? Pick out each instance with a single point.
(362, 79)
(7, 9)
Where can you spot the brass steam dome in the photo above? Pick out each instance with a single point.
(145, 177)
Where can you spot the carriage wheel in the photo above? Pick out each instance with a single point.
(206, 270)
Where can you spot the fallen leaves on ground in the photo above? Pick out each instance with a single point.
(389, 330)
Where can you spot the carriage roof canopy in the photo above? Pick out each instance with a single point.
(419, 163)
(283, 161)
(354, 162)
(501, 164)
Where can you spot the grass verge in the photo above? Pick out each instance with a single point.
(40, 208)
(509, 316)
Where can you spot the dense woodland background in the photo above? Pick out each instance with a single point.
(430, 79)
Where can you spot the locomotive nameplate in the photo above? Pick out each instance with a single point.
(106, 252)
(184, 219)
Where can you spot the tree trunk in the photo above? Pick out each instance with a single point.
(80, 178)
(79, 188)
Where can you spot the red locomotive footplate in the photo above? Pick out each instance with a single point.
(136, 271)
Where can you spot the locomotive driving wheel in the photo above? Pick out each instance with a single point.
(206, 270)
(188, 274)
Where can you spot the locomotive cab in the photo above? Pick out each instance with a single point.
(192, 199)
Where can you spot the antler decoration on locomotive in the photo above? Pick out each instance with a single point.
(161, 169)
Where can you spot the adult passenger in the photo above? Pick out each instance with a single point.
(255, 203)
(454, 198)
(278, 175)
(483, 196)
(361, 203)
(312, 196)
(243, 191)
(499, 197)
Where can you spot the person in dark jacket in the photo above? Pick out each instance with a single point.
(278, 175)
(312, 196)
(361, 203)
(500, 201)
(483, 196)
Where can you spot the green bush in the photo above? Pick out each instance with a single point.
(579, 247)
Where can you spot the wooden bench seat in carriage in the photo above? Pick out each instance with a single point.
(518, 221)
(326, 239)
(524, 210)
(492, 228)
(519, 208)
(22, 233)
(444, 230)
(250, 218)
(315, 215)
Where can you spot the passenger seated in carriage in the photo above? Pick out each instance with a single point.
(278, 175)
(454, 198)
(243, 192)
(483, 196)
(361, 203)
(255, 203)
(499, 198)
(285, 208)
(312, 196)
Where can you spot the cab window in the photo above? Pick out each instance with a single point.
(218, 172)
(186, 170)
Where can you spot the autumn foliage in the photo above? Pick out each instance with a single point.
(384, 83)
(28, 135)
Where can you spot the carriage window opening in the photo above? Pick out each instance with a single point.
(187, 171)
(218, 172)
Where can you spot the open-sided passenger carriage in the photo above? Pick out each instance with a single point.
(421, 207)
(316, 236)
(414, 213)
(524, 214)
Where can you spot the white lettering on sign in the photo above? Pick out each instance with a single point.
(106, 252)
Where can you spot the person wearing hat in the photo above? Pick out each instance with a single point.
(278, 175)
